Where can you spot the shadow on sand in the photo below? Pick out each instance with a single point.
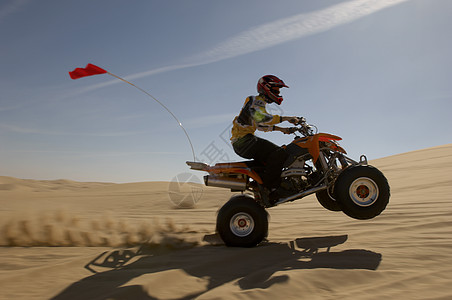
(251, 267)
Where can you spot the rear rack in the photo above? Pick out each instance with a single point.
(195, 165)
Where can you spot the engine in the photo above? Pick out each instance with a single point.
(296, 175)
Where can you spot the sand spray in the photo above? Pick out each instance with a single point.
(63, 229)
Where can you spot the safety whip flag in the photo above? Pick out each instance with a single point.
(91, 69)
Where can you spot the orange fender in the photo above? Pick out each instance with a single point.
(312, 143)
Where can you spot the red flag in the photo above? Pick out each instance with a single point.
(88, 71)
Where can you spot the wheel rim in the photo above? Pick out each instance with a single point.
(364, 191)
(241, 224)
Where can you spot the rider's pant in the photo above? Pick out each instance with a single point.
(264, 152)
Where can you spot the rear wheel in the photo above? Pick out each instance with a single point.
(362, 192)
(242, 222)
(327, 201)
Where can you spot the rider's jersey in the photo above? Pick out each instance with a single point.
(253, 116)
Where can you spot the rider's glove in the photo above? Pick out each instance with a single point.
(289, 130)
(297, 120)
(293, 120)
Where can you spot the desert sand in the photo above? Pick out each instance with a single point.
(71, 240)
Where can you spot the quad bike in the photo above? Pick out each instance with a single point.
(317, 164)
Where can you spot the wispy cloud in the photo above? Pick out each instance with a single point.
(292, 28)
(8, 108)
(137, 75)
(90, 153)
(11, 7)
(273, 34)
(38, 131)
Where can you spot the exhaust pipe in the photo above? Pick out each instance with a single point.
(236, 184)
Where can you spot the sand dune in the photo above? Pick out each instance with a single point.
(71, 240)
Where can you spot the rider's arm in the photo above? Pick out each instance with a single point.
(293, 120)
(268, 122)
(275, 119)
(285, 130)
(266, 128)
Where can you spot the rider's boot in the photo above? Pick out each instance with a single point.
(279, 193)
(264, 194)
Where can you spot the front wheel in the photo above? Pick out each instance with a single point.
(362, 192)
(242, 222)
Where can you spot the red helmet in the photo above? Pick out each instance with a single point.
(269, 86)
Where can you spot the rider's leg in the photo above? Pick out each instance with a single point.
(266, 153)
(246, 146)
(273, 157)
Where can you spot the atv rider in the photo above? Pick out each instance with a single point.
(255, 116)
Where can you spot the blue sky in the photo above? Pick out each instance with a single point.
(376, 73)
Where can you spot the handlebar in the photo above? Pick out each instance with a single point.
(304, 128)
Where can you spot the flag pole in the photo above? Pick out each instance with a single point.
(166, 108)
(91, 69)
